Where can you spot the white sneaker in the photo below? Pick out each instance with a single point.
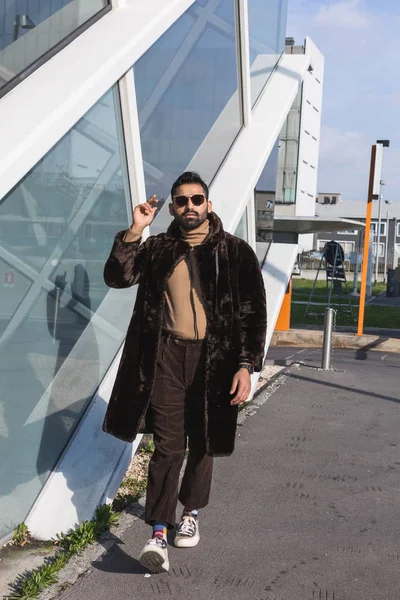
(187, 534)
(154, 555)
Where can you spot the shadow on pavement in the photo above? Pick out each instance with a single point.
(346, 388)
(362, 353)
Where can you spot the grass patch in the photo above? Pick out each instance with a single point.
(302, 289)
(76, 540)
(134, 483)
(70, 543)
(387, 317)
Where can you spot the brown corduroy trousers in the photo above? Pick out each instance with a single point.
(177, 406)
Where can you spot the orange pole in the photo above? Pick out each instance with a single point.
(363, 290)
(283, 322)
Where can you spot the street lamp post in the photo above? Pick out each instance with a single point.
(381, 184)
(388, 203)
(373, 193)
(23, 22)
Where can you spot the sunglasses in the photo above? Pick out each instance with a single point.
(197, 200)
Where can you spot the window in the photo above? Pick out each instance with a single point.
(381, 249)
(348, 232)
(264, 200)
(265, 215)
(348, 248)
(267, 23)
(184, 84)
(398, 229)
(241, 229)
(321, 244)
(374, 228)
(30, 29)
(334, 199)
(61, 326)
(327, 200)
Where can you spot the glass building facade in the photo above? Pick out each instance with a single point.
(60, 327)
(267, 27)
(58, 331)
(187, 90)
(29, 29)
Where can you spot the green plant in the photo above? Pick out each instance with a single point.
(70, 543)
(149, 449)
(21, 534)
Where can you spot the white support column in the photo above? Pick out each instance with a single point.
(242, 36)
(251, 223)
(131, 130)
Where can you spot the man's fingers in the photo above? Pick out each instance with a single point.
(152, 200)
(234, 385)
(242, 394)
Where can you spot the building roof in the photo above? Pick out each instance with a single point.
(314, 224)
(356, 209)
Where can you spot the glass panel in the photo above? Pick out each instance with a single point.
(29, 29)
(267, 26)
(60, 326)
(192, 116)
(264, 199)
(288, 155)
(241, 229)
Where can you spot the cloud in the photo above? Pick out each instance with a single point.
(349, 149)
(345, 161)
(361, 100)
(343, 14)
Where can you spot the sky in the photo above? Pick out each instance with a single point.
(361, 102)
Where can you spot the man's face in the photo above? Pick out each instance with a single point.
(190, 216)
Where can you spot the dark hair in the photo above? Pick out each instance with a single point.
(189, 177)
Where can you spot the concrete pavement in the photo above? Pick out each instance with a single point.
(307, 508)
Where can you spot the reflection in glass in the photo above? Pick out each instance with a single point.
(190, 115)
(267, 26)
(29, 29)
(241, 229)
(264, 199)
(288, 155)
(60, 327)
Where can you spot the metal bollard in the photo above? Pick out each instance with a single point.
(327, 341)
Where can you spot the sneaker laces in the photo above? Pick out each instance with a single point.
(156, 541)
(187, 526)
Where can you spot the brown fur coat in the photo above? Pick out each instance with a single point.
(235, 306)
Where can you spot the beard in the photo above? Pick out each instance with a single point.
(190, 223)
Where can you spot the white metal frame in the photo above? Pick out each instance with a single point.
(243, 59)
(31, 129)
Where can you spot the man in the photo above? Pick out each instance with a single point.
(197, 333)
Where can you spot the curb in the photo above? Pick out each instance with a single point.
(307, 338)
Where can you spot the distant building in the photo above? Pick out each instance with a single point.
(352, 240)
(298, 155)
(331, 198)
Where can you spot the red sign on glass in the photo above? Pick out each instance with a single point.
(9, 279)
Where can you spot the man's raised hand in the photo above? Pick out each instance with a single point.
(143, 216)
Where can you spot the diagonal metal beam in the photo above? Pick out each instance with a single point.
(29, 300)
(48, 286)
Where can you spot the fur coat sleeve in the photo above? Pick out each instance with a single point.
(253, 309)
(126, 262)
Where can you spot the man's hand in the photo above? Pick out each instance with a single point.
(241, 385)
(143, 216)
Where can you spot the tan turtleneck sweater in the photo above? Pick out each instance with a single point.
(184, 315)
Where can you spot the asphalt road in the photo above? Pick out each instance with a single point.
(307, 508)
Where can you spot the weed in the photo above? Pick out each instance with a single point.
(70, 543)
(21, 535)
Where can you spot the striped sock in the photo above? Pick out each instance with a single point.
(160, 530)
